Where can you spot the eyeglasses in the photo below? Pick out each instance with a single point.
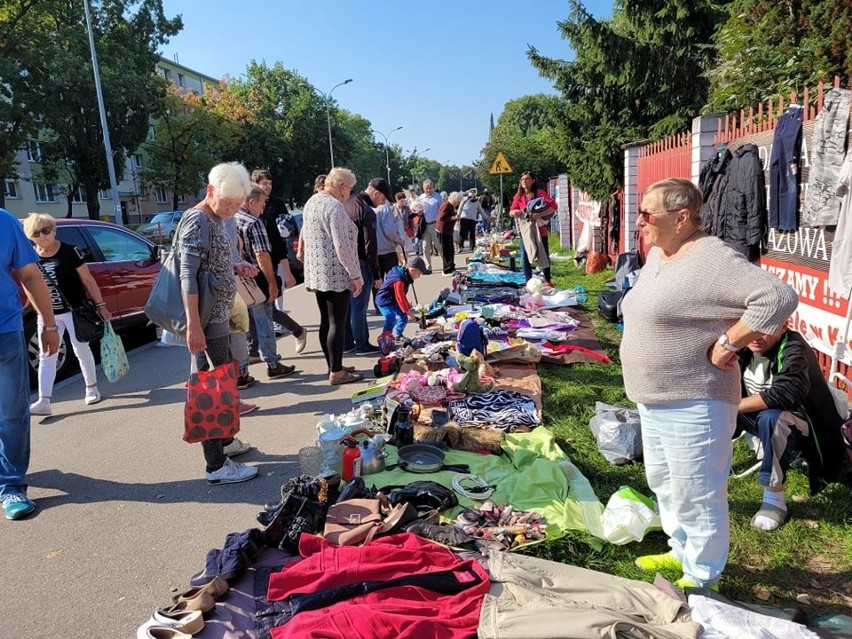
(646, 215)
(44, 231)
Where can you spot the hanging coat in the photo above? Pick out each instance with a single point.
(742, 221)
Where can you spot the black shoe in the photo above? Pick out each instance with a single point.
(244, 381)
(280, 370)
(351, 349)
(369, 349)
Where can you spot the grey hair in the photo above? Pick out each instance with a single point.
(678, 194)
(230, 180)
(338, 176)
(255, 193)
(454, 198)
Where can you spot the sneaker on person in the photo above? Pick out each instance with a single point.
(41, 407)
(93, 396)
(17, 506)
(369, 349)
(351, 349)
(656, 563)
(237, 447)
(279, 330)
(280, 370)
(685, 582)
(244, 381)
(232, 472)
(302, 341)
(244, 408)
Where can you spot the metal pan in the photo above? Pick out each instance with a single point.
(424, 458)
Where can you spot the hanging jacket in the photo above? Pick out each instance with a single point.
(799, 386)
(742, 221)
(712, 181)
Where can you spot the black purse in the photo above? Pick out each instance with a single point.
(88, 324)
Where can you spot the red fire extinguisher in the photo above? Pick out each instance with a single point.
(351, 466)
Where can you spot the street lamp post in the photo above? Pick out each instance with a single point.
(387, 153)
(327, 97)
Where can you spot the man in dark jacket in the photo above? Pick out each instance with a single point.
(788, 405)
(360, 207)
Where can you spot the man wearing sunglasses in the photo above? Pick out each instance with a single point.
(19, 260)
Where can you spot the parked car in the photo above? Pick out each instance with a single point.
(124, 265)
(161, 228)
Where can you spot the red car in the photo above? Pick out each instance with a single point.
(123, 263)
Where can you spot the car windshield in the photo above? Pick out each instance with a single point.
(162, 217)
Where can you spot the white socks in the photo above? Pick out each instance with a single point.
(773, 499)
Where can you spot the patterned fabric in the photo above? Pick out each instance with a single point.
(213, 252)
(330, 240)
(113, 357)
(499, 409)
(253, 234)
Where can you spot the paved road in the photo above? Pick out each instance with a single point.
(124, 511)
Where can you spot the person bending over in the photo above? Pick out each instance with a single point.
(391, 298)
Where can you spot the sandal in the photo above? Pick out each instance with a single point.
(772, 513)
(347, 378)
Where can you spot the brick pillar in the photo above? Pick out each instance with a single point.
(703, 131)
(631, 196)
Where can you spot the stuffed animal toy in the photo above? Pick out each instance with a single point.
(471, 382)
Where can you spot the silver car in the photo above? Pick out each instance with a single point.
(161, 228)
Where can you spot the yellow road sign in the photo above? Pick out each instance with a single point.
(501, 165)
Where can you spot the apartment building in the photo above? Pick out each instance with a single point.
(31, 192)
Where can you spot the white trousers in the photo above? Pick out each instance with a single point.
(47, 363)
(687, 450)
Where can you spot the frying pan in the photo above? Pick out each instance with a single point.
(424, 458)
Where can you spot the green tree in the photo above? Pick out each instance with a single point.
(637, 74)
(190, 135)
(771, 47)
(127, 44)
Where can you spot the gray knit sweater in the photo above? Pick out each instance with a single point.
(678, 309)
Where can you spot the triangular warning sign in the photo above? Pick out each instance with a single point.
(501, 165)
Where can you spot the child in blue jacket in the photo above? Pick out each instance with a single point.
(391, 297)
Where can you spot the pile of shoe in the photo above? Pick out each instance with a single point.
(185, 617)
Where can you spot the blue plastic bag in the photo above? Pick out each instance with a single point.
(113, 358)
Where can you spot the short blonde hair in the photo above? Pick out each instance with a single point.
(454, 198)
(230, 180)
(338, 176)
(35, 221)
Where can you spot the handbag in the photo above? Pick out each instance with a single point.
(113, 357)
(250, 291)
(211, 410)
(353, 522)
(88, 323)
(165, 302)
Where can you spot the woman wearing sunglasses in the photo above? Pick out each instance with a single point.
(695, 304)
(70, 284)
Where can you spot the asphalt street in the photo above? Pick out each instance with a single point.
(124, 512)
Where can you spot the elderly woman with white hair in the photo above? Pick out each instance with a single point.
(696, 302)
(329, 251)
(202, 243)
(70, 283)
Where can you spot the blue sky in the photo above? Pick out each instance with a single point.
(437, 69)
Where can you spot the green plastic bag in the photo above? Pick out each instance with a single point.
(113, 358)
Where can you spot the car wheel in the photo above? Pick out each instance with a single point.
(63, 361)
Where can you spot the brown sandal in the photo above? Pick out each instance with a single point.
(347, 378)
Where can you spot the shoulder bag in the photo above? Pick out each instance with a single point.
(165, 303)
(353, 522)
(88, 323)
(250, 291)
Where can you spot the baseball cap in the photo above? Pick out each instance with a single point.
(416, 262)
(382, 186)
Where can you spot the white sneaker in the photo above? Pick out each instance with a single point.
(231, 473)
(41, 407)
(302, 341)
(279, 330)
(93, 396)
(237, 447)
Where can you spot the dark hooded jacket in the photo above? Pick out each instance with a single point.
(798, 386)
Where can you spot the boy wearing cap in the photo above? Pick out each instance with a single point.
(391, 298)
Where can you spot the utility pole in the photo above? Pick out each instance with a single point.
(387, 153)
(327, 98)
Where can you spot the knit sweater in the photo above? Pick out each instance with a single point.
(678, 309)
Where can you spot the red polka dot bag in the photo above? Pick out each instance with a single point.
(212, 398)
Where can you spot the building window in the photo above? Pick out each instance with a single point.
(79, 195)
(104, 195)
(180, 79)
(181, 199)
(10, 190)
(137, 161)
(33, 151)
(44, 192)
(152, 133)
(160, 195)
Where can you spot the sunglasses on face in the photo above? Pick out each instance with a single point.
(44, 231)
(647, 215)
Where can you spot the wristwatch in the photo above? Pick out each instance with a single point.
(725, 343)
(49, 329)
